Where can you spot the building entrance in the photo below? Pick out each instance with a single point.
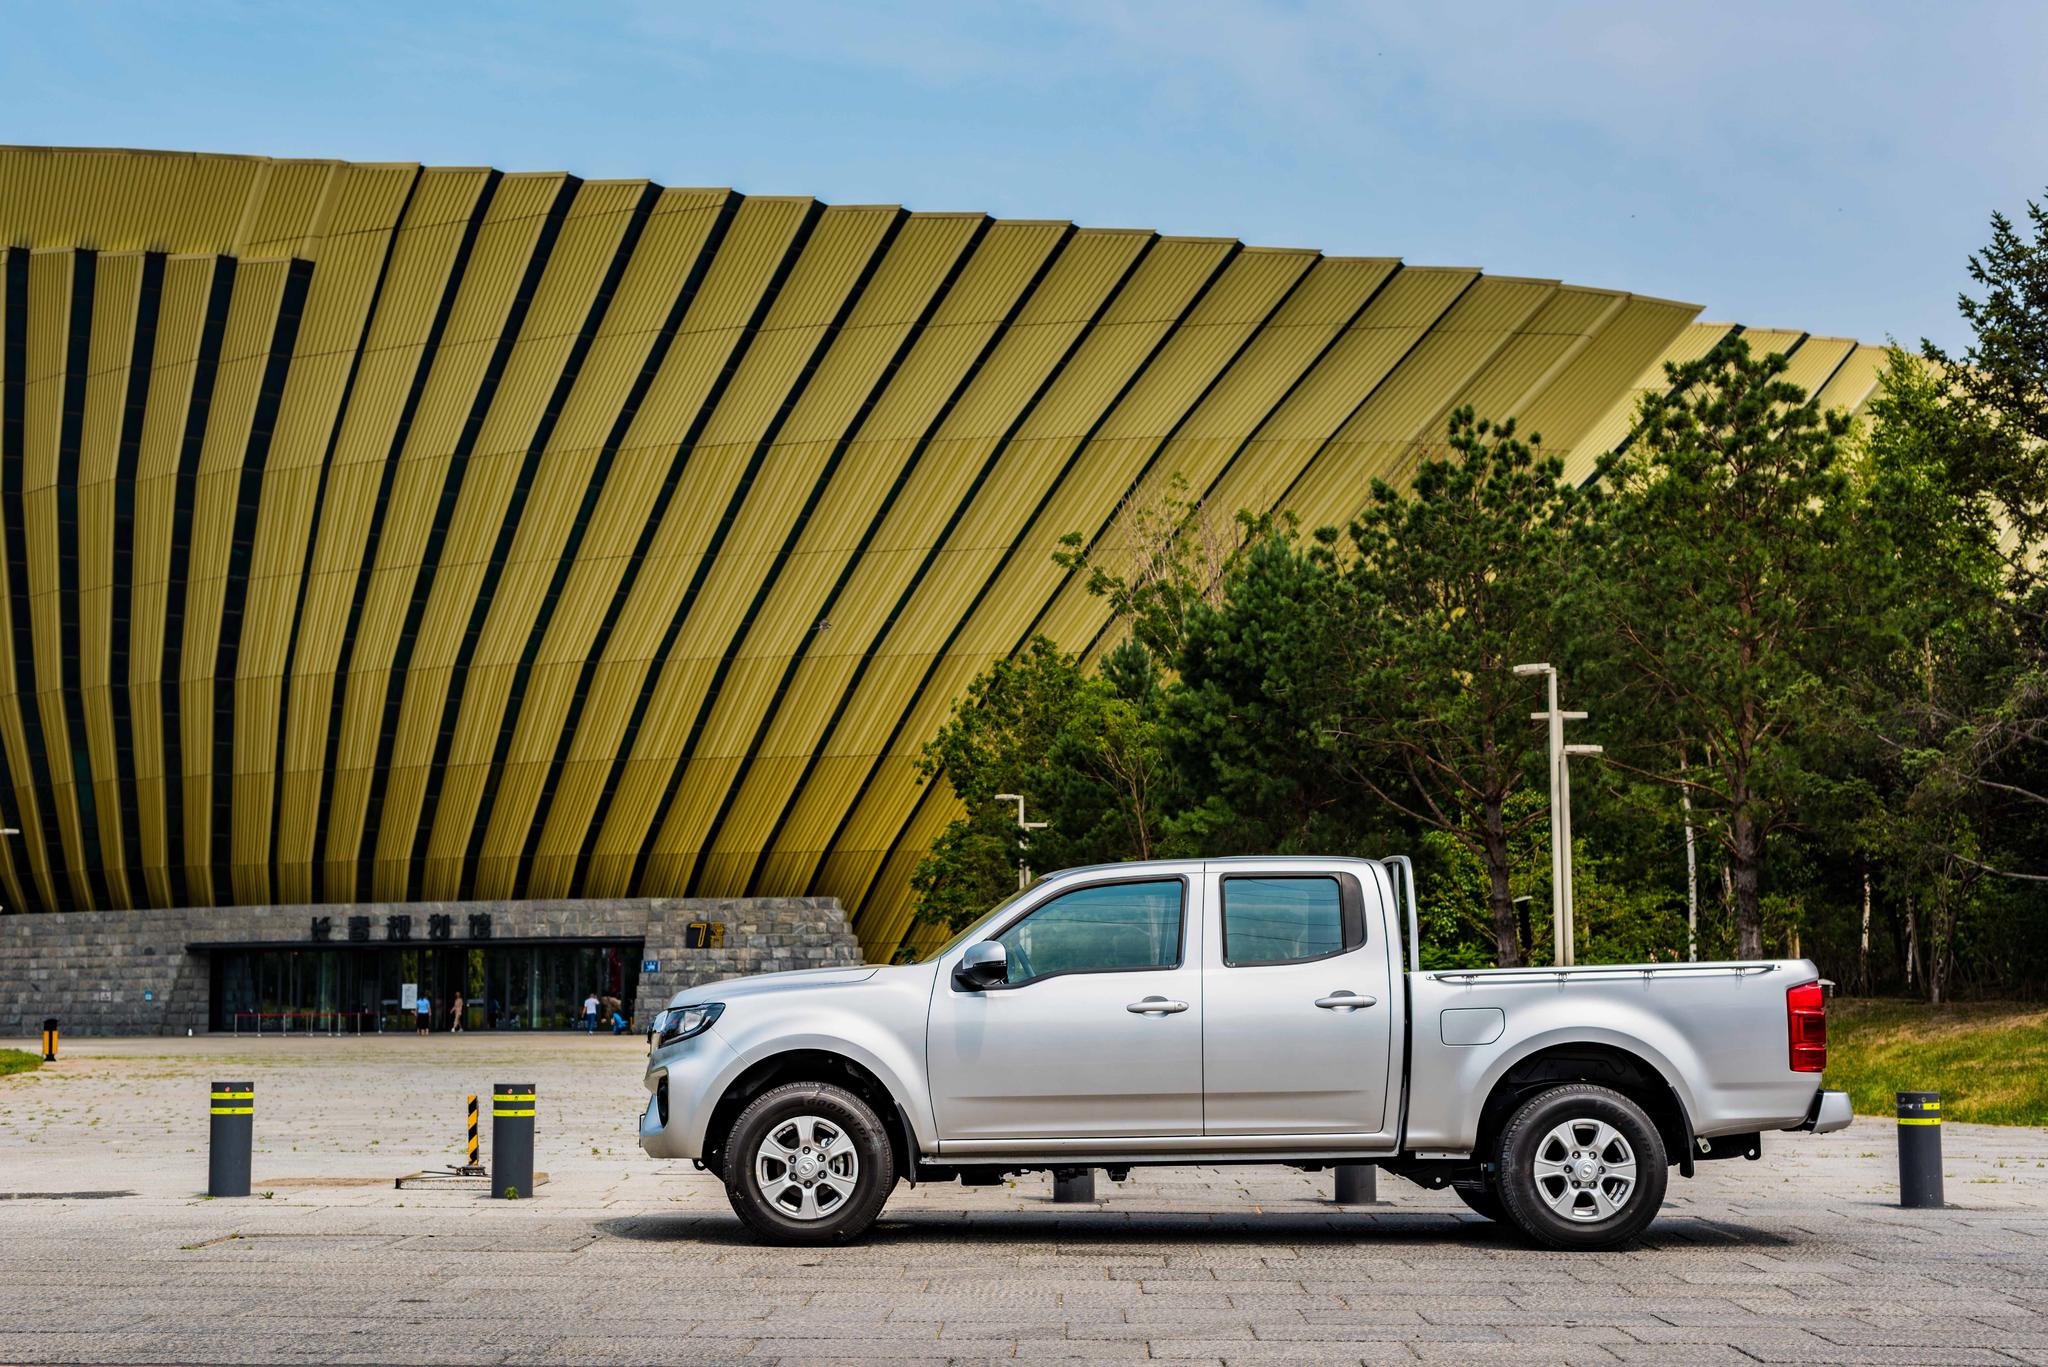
(505, 984)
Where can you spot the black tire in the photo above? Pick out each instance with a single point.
(770, 1196)
(1560, 1177)
(1482, 1201)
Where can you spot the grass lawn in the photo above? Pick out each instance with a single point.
(18, 1061)
(1989, 1060)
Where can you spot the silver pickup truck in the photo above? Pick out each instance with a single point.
(1263, 1010)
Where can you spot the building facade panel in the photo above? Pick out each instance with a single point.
(428, 534)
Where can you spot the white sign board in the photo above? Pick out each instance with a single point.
(408, 996)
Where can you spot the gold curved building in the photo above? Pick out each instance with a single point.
(400, 532)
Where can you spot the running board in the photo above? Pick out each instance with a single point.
(1187, 1148)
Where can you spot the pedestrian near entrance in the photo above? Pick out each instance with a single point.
(455, 1013)
(590, 1014)
(423, 1011)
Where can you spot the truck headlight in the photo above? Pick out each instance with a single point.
(684, 1022)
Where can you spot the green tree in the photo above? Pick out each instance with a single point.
(1259, 679)
(1983, 417)
(1448, 586)
(1931, 545)
(1085, 749)
(1727, 596)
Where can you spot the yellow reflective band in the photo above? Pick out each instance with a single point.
(234, 1110)
(1930, 1105)
(512, 1096)
(234, 1096)
(496, 1114)
(1909, 1120)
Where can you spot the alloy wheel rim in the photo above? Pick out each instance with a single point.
(1585, 1170)
(807, 1167)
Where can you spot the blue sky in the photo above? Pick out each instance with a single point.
(1822, 165)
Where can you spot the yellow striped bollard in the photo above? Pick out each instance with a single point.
(230, 1137)
(469, 1162)
(512, 1140)
(1920, 1150)
(49, 1039)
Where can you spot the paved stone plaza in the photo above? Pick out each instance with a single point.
(109, 1253)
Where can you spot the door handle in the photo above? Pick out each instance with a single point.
(1156, 1006)
(1345, 1001)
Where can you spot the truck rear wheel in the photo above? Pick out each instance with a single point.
(808, 1163)
(1581, 1167)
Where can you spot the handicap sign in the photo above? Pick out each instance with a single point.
(149, 996)
(650, 965)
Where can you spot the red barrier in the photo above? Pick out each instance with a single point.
(312, 1022)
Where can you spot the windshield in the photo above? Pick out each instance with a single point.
(973, 927)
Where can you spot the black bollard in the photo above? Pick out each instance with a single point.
(232, 1133)
(1073, 1186)
(1920, 1150)
(49, 1039)
(512, 1140)
(1357, 1184)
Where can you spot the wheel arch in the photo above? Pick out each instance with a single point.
(1630, 1071)
(811, 1064)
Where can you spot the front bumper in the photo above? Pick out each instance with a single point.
(684, 1083)
(1830, 1112)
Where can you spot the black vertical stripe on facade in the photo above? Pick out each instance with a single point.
(651, 676)
(14, 526)
(70, 436)
(272, 872)
(1194, 407)
(284, 339)
(204, 373)
(1202, 495)
(745, 483)
(444, 515)
(127, 456)
(515, 697)
(881, 512)
(819, 483)
(917, 576)
(508, 531)
(366, 567)
(995, 575)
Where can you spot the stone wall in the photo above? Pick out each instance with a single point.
(128, 972)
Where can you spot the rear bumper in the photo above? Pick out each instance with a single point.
(1830, 1112)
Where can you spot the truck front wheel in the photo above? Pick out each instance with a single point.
(1581, 1167)
(808, 1163)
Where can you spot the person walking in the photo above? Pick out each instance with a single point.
(455, 1014)
(590, 1014)
(423, 1011)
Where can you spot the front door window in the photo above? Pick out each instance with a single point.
(1114, 928)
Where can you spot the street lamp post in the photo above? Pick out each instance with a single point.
(1560, 812)
(1023, 869)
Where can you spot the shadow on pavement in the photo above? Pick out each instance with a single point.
(1388, 1230)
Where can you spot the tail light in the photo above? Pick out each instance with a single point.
(1806, 1024)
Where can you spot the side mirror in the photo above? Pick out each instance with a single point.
(983, 966)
